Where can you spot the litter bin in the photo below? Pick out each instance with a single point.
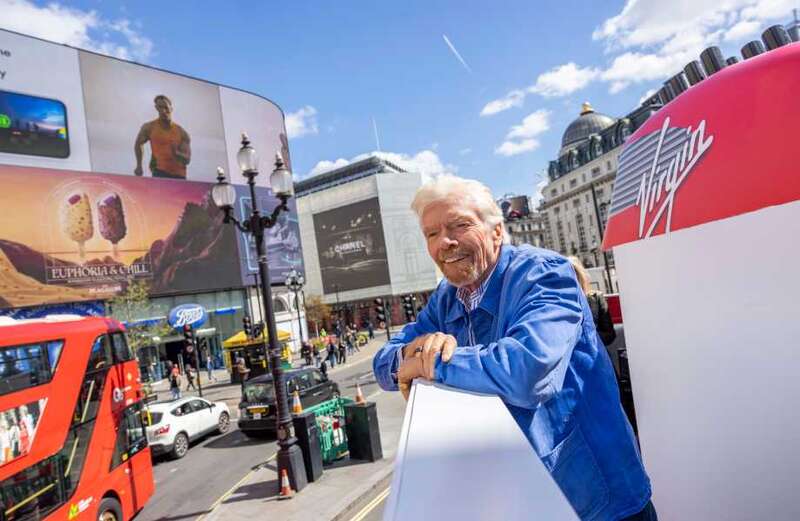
(363, 433)
(307, 434)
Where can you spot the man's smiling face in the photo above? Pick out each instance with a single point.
(459, 242)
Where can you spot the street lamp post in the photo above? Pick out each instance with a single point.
(290, 458)
(295, 282)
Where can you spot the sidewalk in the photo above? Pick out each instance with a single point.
(335, 496)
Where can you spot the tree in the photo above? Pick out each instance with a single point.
(317, 311)
(132, 305)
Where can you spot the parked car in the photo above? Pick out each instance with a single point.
(174, 425)
(257, 410)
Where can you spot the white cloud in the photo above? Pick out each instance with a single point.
(647, 95)
(515, 98)
(534, 124)
(563, 80)
(464, 151)
(425, 162)
(512, 148)
(656, 39)
(521, 138)
(558, 81)
(302, 122)
(75, 27)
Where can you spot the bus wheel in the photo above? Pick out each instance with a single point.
(110, 510)
(180, 445)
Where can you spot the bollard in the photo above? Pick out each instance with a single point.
(363, 434)
(306, 432)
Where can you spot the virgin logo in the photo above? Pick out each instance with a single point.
(657, 190)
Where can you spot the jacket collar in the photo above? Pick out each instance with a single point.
(491, 296)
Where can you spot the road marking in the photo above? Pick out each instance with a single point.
(373, 395)
(371, 505)
(174, 469)
(231, 490)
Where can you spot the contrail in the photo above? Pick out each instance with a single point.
(375, 128)
(453, 48)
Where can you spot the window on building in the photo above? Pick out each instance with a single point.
(556, 210)
(608, 166)
(595, 171)
(573, 183)
(604, 213)
(553, 192)
(562, 188)
(583, 177)
(576, 202)
(586, 198)
(581, 232)
(569, 226)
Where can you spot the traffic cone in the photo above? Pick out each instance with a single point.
(359, 394)
(286, 488)
(297, 407)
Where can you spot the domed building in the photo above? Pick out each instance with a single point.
(584, 126)
(576, 200)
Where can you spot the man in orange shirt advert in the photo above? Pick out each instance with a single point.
(169, 144)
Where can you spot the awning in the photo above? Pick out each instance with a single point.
(240, 339)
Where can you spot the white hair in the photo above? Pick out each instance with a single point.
(469, 191)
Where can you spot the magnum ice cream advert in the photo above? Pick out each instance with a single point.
(351, 246)
(81, 236)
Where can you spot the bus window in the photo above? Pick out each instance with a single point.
(100, 356)
(32, 493)
(121, 351)
(131, 436)
(27, 365)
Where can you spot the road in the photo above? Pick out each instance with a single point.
(189, 487)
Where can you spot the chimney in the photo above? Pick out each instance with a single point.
(694, 72)
(753, 48)
(712, 60)
(776, 36)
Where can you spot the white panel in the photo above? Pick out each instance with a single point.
(410, 267)
(462, 456)
(47, 70)
(711, 323)
(263, 122)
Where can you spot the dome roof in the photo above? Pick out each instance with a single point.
(588, 123)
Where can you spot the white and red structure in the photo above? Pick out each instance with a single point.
(705, 229)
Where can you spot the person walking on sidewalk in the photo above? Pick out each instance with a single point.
(512, 321)
(305, 352)
(210, 367)
(342, 353)
(370, 330)
(175, 384)
(190, 374)
(331, 352)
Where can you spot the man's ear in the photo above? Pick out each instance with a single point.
(497, 234)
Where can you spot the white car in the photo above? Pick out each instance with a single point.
(175, 424)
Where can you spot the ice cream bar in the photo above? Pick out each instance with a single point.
(111, 219)
(76, 219)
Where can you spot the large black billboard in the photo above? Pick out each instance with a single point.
(351, 247)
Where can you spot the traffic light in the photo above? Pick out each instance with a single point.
(258, 328)
(247, 323)
(188, 338)
(408, 307)
(380, 310)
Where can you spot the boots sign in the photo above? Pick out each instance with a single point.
(187, 315)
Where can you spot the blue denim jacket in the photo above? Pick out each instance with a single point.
(537, 349)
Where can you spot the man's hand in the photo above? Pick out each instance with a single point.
(138, 170)
(419, 358)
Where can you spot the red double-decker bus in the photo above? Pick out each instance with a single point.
(72, 439)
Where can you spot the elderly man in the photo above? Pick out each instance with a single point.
(513, 322)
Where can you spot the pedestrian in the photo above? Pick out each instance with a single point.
(317, 355)
(190, 375)
(354, 341)
(323, 333)
(512, 321)
(175, 384)
(348, 340)
(370, 330)
(342, 348)
(305, 352)
(597, 304)
(323, 368)
(331, 352)
(210, 367)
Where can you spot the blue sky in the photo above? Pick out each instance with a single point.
(496, 114)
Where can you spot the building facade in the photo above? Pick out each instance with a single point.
(361, 240)
(576, 200)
